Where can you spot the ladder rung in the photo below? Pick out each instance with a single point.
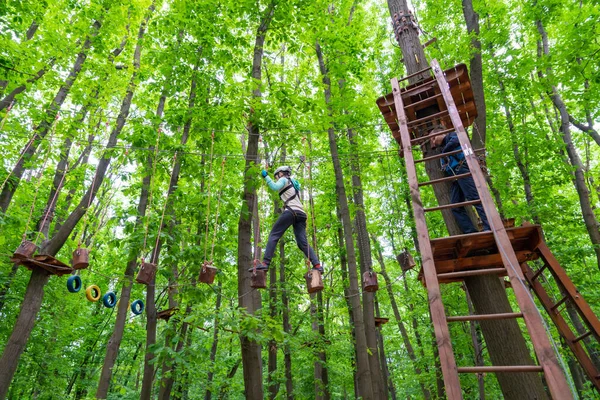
(448, 178)
(435, 96)
(427, 118)
(539, 272)
(501, 368)
(415, 74)
(577, 339)
(446, 154)
(463, 274)
(453, 205)
(554, 307)
(427, 137)
(484, 317)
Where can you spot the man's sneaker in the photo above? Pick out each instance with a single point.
(319, 268)
(261, 266)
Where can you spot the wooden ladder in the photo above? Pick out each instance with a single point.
(554, 377)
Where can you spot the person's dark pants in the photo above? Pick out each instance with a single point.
(285, 220)
(462, 190)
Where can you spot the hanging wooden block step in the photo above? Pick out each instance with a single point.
(208, 272)
(146, 273)
(370, 282)
(258, 279)
(25, 250)
(314, 282)
(81, 258)
(406, 261)
(380, 321)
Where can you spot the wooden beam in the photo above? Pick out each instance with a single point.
(501, 368)
(438, 314)
(484, 317)
(474, 262)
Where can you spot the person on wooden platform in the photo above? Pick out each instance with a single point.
(293, 214)
(462, 189)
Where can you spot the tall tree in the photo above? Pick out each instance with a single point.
(487, 293)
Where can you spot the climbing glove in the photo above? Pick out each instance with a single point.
(264, 173)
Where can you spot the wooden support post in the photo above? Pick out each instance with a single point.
(438, 315)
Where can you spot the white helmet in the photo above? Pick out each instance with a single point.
(286, 170)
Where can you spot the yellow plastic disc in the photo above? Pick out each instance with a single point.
(93, 293)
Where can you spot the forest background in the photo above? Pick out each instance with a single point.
(144, 114)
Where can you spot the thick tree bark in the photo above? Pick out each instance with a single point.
(516, 152)
(476, 73)
(35, 289)
(589, 218)
(249, 299)
(287, 328)
(114, 343)
(43, 225)
(488, 294)
(168, 365)
(48, 120)
(344, 270)
(365, 383)
(366, 264)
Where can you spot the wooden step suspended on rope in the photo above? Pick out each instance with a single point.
(146, 273)
(370, 281)
(25, 250)
(208, 272)
(258, 279)
(314, 281)
(406, 261)
(81, 258)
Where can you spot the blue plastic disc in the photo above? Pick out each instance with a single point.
(137, 307)
(109, 299)
(74, 284)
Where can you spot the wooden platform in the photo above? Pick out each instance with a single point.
(424, 98)
(479, 251)
(45, 262)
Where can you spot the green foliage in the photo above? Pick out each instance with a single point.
(212, 43)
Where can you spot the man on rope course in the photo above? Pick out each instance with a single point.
(461, 189)
(293, 215)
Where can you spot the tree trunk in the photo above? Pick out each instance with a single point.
(344, 269)
(48, 120)
(30, 307)
(589, 217)
(215, 343)
(114, 343)
(167, 381)
(366, 265)
(44, 222)
(476, 73)
(287, 328)
(365, 383)
(388, 385)
(250, 299)
(403, 332)
(519, 160)
(10, 98)
(488, 294)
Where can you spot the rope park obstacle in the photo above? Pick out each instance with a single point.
(414, 113)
